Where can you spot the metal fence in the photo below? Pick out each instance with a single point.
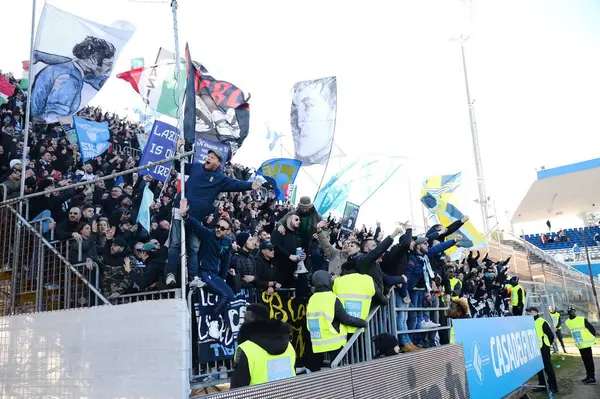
(128, 150)
(36, 274)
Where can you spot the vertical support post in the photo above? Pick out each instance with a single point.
(28, 107)
(180, 123)
(593, 284)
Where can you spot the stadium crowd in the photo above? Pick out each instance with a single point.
(240, 236)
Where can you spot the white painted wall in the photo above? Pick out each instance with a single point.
(138, 350)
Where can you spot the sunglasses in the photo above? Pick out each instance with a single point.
(222, 228)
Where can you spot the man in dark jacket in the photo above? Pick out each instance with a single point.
(67, 229)
(266, 272)
(243, 262)
(205, 182)
(286, 259)
(152, 271)
(271, 336)
(546, 338)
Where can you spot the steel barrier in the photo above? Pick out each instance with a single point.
(435, 373)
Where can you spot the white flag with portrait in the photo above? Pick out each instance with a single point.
(72, 59)
(314, 107)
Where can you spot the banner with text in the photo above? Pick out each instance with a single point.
(501, 353)
(161, 144)
(92, 137)
(66, 122)
(222, 348)
(203, 146)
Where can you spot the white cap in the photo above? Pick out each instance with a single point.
(13, 162)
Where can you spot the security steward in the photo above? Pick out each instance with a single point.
(517, 296)
(455, 284)
(545, 338)
(356, 291)
(327, 319)
(264, 353)
(584, 335)
(557, 328)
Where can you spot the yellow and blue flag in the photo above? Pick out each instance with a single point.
(442, 186)
(448, 214)
(280, 172)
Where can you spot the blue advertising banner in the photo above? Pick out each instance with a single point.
(282, 171)
(92, 137)
(202, 146)
(161, 144)
(501, 353)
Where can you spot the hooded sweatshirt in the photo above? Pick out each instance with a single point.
(271, 335)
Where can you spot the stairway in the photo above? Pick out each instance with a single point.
(533, 258)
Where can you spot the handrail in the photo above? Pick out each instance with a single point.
(338, 359)
(84, 183)
(58, 254)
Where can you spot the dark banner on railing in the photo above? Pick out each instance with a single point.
(286, 307)
(283, 305)
(222, 348)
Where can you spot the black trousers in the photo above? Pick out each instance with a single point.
(559, 336)
(549, 370)
(588, 362)
(517, 311)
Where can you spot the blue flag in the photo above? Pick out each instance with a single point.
(143, 217)
(280, 172)
(92, 136)
(357, 182)
(161, 144)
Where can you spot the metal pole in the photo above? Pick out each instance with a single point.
(587, 256)
(90, 182)
(183, 257)
(475, 138)
(28, 108)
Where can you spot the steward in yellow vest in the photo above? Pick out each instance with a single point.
(584, 335)
(555, 315)
(356, 292)
(545, 338)
(327, 319)
(517, 296)
(264, 352)
(455, 284)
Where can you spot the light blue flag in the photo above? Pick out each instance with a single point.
(92, 137)
(280, 172)
(273, 137)
(356, 183)
(143, 217)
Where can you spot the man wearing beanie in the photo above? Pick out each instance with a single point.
(243, 262)
(386, 345)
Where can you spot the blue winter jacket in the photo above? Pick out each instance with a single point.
(415, 264)
(203, 186)
(214, 255)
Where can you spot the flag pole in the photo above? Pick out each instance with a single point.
(180, 123)
(27, 110)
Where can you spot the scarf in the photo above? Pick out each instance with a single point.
(427, 271)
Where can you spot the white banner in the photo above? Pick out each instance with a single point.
(314, 104)
(72, 60)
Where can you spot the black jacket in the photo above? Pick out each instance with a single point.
(285, 245)
(366, 263)
(150, 274)
(244, 265)
(265, 271)
(395, 261)
(65, 229)
(271, 335)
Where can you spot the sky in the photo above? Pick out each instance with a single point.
(532, 68)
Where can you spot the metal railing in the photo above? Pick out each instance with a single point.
(37, 275)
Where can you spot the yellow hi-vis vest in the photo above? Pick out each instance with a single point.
(514, 295)
(452, 337)
(582, 336)
(539, 328)
(453, 282)
(355, 291)
(555, 318)
(265, 367)
(319, 318)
